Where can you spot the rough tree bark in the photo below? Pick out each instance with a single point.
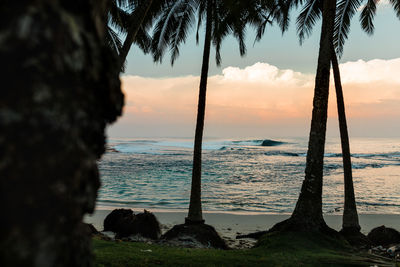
(59, 90)
(350, 215)
(195, 214)
(307, 215)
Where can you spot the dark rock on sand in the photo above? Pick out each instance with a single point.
(204, 234)
(124, 223)
(147, 225)
(384, 236)
(119, 221)
(268, 142)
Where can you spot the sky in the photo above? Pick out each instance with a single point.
(267, 93)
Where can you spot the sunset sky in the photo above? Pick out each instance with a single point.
(267, 93)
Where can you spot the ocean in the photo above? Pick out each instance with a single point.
(241, 176)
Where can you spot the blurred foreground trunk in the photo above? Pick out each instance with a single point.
(58, 92)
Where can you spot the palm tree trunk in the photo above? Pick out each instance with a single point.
(350, 216)
(195, 212)
(52, 125)
(308, 212)
(131, 36)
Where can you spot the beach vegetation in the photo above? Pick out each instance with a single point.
(275, 249)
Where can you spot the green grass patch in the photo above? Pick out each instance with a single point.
(280, 249)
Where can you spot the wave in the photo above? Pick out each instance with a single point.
(391, 155)
(268, 142)
(377, 204)
(370, 165)
(259, 142)
(133, 203)
(282, 153)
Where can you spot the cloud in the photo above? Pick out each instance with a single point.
(380, 4)
(264, 73)
(260, 95)
(377, 70)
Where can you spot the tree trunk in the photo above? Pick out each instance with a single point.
(131, 36)
(59, 90)
(308, 212)
(195, 212)
(350, 216)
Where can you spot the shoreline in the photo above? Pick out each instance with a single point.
(229, 225)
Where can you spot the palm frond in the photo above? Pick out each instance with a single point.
(184, 22)
(344, 12)
(200, 14)
(262, 23)
(166, 23)
(310, 13)
(396, 7)
(281, 14)
(118, 18)
(172, 28)
(143, 40)
(113, 40)
(367, 16)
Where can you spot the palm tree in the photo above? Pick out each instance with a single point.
(132, 18)
(306, 20)
(307, 215)
(350, 222)
(52, 171)
(345, 11)
(350, 217)
(171, 30)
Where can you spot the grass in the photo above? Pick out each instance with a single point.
(280, 249)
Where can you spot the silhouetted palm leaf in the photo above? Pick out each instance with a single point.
(344, 12)
(367, 16)
(310, 13)
(396, 7)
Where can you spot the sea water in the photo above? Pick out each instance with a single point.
(242, 176)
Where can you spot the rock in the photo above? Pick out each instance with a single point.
(147, 225)
(195, 235)
(124, 223)
(384, 236)
(268, 142)
(119, 221)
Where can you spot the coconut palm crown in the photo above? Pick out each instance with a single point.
(131, 19)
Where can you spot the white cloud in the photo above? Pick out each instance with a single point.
(376, 70)
(261, 95)
(263, 73)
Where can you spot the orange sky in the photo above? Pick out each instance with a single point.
(261, 100)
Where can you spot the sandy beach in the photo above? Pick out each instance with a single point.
(229, 225)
